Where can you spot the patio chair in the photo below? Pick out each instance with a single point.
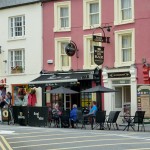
(80, 119)
(65, 123)
(112, 119)
(100, 119)
(137, 119)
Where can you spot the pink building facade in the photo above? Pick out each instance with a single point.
(126, 57)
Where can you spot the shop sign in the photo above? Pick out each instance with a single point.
(87, 76)
(101, 39)
(98, 55)
(119, 74)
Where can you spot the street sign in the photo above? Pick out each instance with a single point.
(98, 55)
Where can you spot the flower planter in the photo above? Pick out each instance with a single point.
(16, 71)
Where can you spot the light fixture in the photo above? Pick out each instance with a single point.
(102, 38)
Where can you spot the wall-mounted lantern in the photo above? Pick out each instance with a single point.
(71, 49)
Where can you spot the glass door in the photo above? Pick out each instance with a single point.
(123, 98)
(67, 102)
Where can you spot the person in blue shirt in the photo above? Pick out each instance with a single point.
(93, 109)
(73, 115)
(91, 113)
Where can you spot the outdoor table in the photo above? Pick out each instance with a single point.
(129, 121)
(92, 116)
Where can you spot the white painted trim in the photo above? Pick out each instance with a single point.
(57, 54)
(117, 16)
(57, 6)
(86, 24)
(118, 57)
(109, 98)
(53, 81)
(86, 55)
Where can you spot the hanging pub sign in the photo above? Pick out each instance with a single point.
(102, 39)
(98, 55)
(71, 48)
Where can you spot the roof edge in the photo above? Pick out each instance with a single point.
(17, 5)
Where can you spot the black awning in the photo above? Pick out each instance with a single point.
(62, 77)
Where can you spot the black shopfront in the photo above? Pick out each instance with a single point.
(74, 80)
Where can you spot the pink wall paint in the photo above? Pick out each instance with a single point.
(141, 25)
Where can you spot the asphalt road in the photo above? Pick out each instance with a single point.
(40, 138)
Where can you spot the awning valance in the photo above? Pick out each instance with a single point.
(62, 77)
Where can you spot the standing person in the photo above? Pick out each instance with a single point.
(73, 115)
(56, 114)
(2, 102)
(9, 98)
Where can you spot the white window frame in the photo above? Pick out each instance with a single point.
(9, 58)
(117, 11)
(118, 46)
(86, 18)
(58, 65)
(87, 57)
(57, 23)
(12, 33)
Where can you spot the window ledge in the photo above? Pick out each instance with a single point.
(123, 22)
(90, 27)
(123, 64)
(16, 74)
(89, 67)
(62, 29)
(16, 39)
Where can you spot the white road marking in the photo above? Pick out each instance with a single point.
(6, 132)
(50, 139)
(48, 144)
(50, 135)
(139, 149)
(102, 145)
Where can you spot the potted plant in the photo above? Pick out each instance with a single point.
(17, 69)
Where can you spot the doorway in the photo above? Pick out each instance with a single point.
(122, 100)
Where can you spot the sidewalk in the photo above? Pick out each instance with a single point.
(88, 127)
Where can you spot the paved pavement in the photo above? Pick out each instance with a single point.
(14, 137)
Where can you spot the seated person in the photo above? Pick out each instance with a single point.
(92, 111)
(73, 115)
(56, 114)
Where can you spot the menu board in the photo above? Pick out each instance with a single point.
(143, 99)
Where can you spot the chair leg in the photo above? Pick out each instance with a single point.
(108, 126)
(143, 127)
(138, 126)
(117, 126)
(113, 126)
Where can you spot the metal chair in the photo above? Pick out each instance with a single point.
(112, 119)
(100, 119)
(137, 119)
(80, 119)
(65, 119)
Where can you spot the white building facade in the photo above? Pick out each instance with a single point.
(21, 53)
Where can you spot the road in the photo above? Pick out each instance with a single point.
(43, 138)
